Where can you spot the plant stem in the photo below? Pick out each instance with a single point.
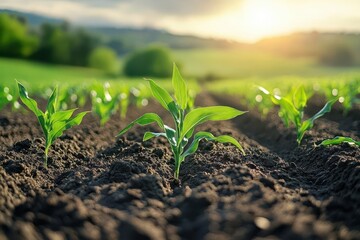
(178, 150)
(177, 167)
(45, 160)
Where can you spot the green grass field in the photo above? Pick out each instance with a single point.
(245, 63)
(236, 69)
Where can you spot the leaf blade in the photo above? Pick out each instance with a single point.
(338, 140)
(68, 124)
(149, 135)
(180, 89)
(210, 137)
(309, 123)
(160, 94)
(145, 119)
(204, 114)
(29, 102)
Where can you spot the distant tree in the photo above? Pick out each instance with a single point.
(54, 45)
(15, 41)
(82, 44)
(61, 44)
(337, 55)
(150, 62)
(105, 59)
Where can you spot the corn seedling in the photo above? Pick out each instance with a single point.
(346, 93)
(103, 104)
(292, 110)
(348, 96)
(184, 122)
(53, 122)
(124, 100)
(338, 140)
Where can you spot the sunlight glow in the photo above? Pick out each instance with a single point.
(262, 19)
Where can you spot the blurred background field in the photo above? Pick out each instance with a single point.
(42, 50)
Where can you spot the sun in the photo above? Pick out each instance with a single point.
(252, 20)
(263, 18)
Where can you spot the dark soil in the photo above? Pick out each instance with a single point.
(100, 187)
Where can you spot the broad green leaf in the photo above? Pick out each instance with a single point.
(160, 94)
(338, 140)
(300, 98)
(149, 135)
(30, 103)
(180, 89)
(55, 133)
(170, 135)
(61, 116)
(210, 137)
(145, 119)
(174, 110)
(51, 105)
(204, 114)
(289, 112)
(308, 124)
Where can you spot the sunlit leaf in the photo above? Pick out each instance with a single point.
(204, 114)
(180, 89)
(145, 119)
(160, 94)
(308, 124)
(338, 140)
(210, 137)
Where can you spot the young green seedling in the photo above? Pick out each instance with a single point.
(103, 104)
(292, 110)
(338, 140)
(53, 122)
(184, 122)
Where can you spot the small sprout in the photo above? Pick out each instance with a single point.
(124, 101)
(292, 110)
(338, 140)
(53, 122)
(103, 104)
(185, 121)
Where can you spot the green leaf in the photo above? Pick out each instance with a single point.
(300, 98)
(289, 112)
(51, 105)
(145, 119)
(149, 135)
(204, 114)
(338, 140)
(308, 124)
(170, 135)
(210, 137)
(61, 116)
(174, 110)
(180, 89)
(30, 103)
(160, 94)
(60, 128)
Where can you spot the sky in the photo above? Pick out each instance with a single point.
(242, 20)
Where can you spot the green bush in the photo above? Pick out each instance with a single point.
(14, 38)
(149, 62)
(105, 59)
